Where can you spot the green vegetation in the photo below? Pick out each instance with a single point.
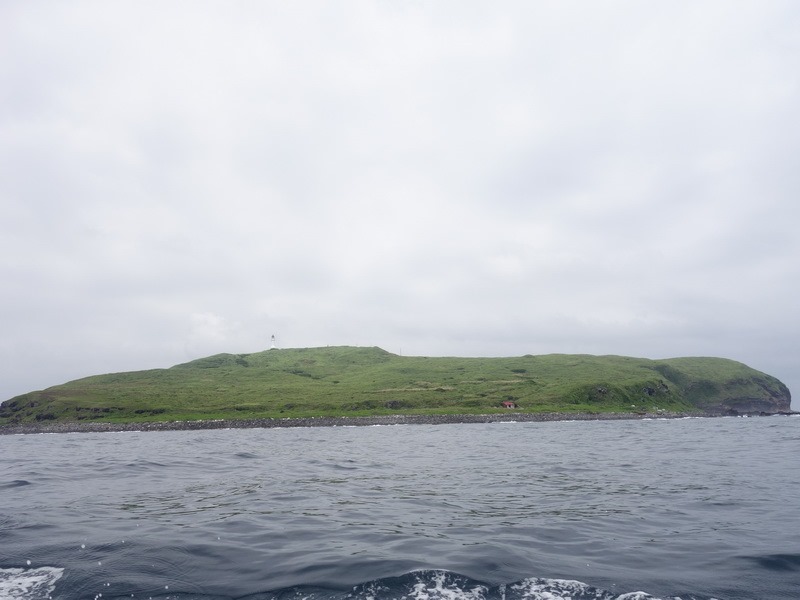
(349, 381)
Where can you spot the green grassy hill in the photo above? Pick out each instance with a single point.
(350, 381)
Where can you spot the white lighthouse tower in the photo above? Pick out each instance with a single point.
(272, 343)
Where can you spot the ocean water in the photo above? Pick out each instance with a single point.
(690, 509)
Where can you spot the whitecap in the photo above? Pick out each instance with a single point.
(29, 584)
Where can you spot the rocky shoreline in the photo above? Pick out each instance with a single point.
(74, 427)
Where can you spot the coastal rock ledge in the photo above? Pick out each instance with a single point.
(384, 420)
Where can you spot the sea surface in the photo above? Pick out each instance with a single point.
(689, 508)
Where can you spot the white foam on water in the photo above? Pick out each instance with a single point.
(445, 585)
(566, 589)
(550, 589)
(440, 588)
(29, 584)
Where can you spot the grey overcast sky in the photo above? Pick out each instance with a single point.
(179, 179)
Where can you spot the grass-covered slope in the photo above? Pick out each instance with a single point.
(349, 381)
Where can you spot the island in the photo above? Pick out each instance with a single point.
(368, 385)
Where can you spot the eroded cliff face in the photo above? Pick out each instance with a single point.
(753, 396)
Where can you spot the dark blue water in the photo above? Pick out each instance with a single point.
(695, 508)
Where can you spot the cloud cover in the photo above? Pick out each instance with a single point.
(179, 179)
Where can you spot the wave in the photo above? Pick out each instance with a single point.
(39, 584)
(446, 585)
(15, 483)
(776, 562)
(29, 584)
